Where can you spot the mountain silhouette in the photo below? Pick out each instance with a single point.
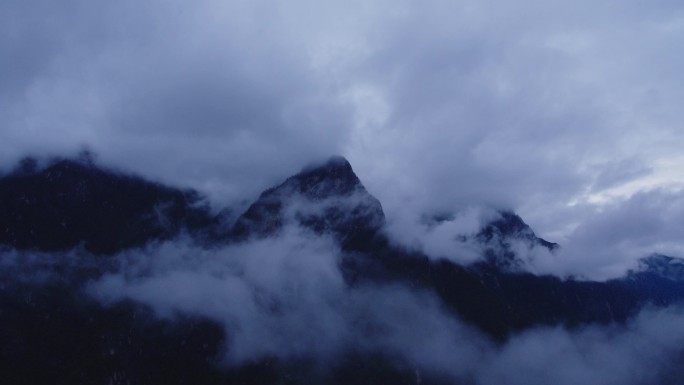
(74, 205)
(72, 202)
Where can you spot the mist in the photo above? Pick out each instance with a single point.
(286, 297)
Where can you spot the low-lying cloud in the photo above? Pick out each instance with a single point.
(443, 236)
(286, 297)
(646, 351)
(607, 242)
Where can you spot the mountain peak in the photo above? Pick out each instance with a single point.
(328, 197)
(499, 236)
(334, 162)
(335, 177)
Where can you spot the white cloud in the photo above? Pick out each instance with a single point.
(285, 297)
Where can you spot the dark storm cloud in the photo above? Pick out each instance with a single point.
(543, 108)
(504, 109)
(211, 95)
(548, 108)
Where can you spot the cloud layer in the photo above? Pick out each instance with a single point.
(285, 297)
(559, 111)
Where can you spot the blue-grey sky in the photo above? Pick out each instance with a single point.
(567, 112)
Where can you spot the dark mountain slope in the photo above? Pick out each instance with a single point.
(71, 202)
(662, 266)
(498, 235)
(500, 302)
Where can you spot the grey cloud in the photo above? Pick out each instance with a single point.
(285, 297)
(191, 95)
(439, 105)
(528, 112)
(607, 244)
(611, 241)
(644, 352)
(451, 238)
(616, 173)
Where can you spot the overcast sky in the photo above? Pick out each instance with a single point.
(569, 113)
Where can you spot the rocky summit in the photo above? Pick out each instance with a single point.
(327, 198)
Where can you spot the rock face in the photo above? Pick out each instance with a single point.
(662, 266)
(326, 199)
(511, 226)
(71, 203)
(500, 236)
